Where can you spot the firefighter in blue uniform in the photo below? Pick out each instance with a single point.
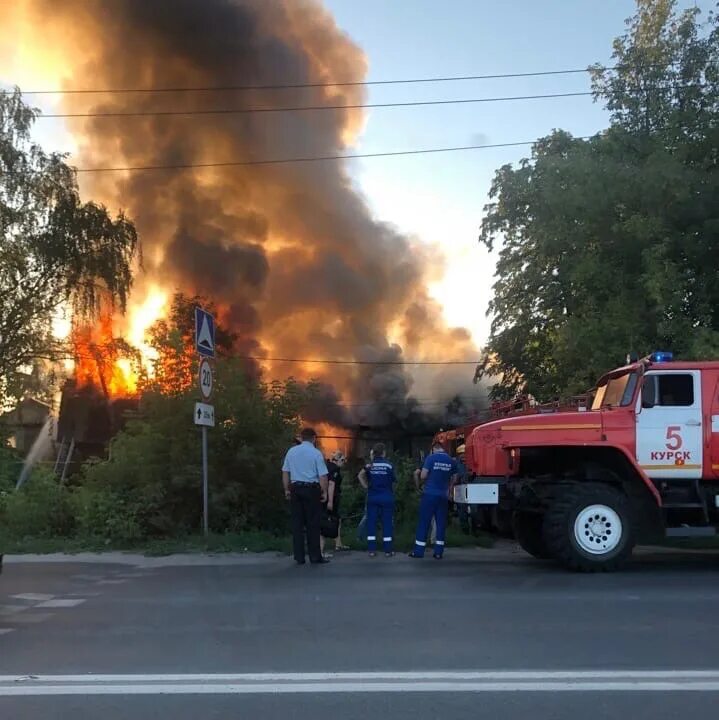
(439, 473)
(378, 479)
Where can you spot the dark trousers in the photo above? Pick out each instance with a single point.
(306, 509)
(379, 510)
(431, 506)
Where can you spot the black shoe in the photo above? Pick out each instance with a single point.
(389, 554)
(437, 557)
(300, 562)
(321, 561)
(414, 555)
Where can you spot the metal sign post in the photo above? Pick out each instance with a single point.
(204, 414)
(205, 485)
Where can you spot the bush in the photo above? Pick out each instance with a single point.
(101, 515)
(40, 508)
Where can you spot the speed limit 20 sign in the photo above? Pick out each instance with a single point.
(205, 379)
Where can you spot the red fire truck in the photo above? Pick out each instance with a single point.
(584, 485)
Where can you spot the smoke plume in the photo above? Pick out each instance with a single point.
(289, 252)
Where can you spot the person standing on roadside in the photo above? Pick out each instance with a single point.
(439, 473)
(334, 495)
(362, 527)
(337, 462)
(304, 478)
(417, 477)
(378, 479)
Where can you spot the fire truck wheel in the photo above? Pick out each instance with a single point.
(528, 533)
(588, 528)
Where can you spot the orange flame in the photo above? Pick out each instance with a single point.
(99, 362)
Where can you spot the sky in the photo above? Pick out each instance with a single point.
(439, 198)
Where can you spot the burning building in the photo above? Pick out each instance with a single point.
(189, 130)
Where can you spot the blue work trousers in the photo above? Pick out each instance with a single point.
(376, 510)
(431, 506)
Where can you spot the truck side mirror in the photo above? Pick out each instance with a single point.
(647, 404)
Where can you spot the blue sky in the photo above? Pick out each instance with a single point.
(440, 198)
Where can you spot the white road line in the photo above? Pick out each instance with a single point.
(84, 594)
(363, 682)
(30, 618)
(361, 687)
(13, 609)
(33, 597)
(430, 675)
(128, 576)
(110, 582)
(62, 603)
(5, 631)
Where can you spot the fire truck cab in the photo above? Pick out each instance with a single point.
(639, 464)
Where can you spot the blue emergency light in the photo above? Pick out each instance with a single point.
(661, 356)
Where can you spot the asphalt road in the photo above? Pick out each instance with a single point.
(480, 633)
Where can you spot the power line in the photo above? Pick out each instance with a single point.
(414, 402)
(327, 361)
(302, 108)
(330, 361)
(318, 158)
(289, 86)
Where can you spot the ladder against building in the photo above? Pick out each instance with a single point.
(64, 457)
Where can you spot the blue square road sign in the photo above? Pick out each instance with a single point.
(204, 333)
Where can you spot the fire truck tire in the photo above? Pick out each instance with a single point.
(588, 528)
(528, 533)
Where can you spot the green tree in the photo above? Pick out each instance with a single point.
(173, 339)
(55, 251)
(151, 485)
(609, 245)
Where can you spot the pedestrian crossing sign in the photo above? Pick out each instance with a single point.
(204, 333)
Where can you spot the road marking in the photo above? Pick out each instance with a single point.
(62, 603)
(110, 582)
(31, 618)
(33, 597)
(84, 594)
(5, 631)
(132, 575)
(12, 609)
(363, 682)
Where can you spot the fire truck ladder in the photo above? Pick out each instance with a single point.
(64, 456)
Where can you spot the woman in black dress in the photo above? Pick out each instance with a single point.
(334, 494)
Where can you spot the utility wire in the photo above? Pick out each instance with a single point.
(287, 86)
(330, 361)
(308, 159)
(302, 108)
(466, 404)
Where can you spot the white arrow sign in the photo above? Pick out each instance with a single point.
(204, 414)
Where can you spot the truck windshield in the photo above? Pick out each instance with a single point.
(616, 391)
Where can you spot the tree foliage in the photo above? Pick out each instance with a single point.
(609, 245)
(55, 250)
(152, 484)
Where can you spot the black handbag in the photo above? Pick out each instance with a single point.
(329, 525)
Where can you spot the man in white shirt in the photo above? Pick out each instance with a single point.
(304, 477)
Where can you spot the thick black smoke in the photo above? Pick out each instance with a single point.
(289, 252)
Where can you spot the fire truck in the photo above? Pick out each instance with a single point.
(637, 464)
